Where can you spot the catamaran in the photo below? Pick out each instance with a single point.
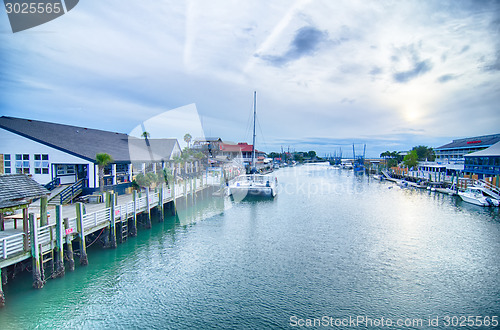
(253, 184)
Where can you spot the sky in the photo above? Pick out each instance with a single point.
(388, 74)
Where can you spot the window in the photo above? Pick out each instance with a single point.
(70, 169)
(41, 164)
(22, 164)
(7, 164)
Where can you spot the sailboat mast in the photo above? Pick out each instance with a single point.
(254, 115)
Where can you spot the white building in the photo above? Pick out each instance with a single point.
(48, 151)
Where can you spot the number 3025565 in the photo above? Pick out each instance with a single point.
(471, 321)
(33, 8)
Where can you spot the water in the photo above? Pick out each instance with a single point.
(331, 245)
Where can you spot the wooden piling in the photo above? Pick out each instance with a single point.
(35, 253)
(81, 234)
(59, 243)
(133, 228)
(160, 204)
(2, 296)
(69, 246)
(112, 224)
(148, 211)
(26, 226)
(43, 211)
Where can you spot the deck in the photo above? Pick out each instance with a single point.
(16, 247)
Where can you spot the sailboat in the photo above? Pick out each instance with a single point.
(253, 184)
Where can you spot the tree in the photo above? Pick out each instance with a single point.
(298, 157)
(274, 155)
(187, 138)
(425, 153)
(102, 159)
(141, 180)
(311, 154)
(411, 159)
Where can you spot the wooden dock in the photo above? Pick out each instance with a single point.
(70, 225)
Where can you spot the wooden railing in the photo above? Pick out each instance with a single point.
(53, 184)
(71, 192)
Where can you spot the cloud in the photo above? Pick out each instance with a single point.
(306, 42)
(418, 69)
(346, 100)
(375, 71)
(494, 65)
(446, 77)
(409, 57)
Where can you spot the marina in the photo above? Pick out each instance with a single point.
(327, 245)
(48, 240)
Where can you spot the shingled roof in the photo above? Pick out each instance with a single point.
(82, 142)
(86, 143)
(19, 189)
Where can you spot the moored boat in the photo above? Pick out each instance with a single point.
(253, 184)
(476, 196)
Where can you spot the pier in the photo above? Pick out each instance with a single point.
(53, 238)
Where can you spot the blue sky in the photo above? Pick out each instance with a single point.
(391, 74)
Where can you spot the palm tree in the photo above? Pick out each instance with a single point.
(102, 159)
(187, 138)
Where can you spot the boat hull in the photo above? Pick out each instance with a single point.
(243, 192)
(473, 200)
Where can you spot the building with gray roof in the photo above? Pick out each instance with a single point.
(50, 151)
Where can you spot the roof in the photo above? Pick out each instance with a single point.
(19, 189)
(208, 139)
(472, 142)
(82, 142)
(240, 147)
(157, 150)
(86, 143)
(494, 150)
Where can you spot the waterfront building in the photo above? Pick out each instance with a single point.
(50, 152)
(450, 158)
(241, 151)
(209, 146)
(457, 149)
(484, 163)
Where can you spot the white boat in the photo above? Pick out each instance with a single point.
(476, 195)
(253, 185)
(348, 166)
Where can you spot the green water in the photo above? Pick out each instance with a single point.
(330, 245)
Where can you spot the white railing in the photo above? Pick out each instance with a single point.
(46, 234)
(72, 226)
(154, 200)
(96, 218)
(14, 244)
(11, 245)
